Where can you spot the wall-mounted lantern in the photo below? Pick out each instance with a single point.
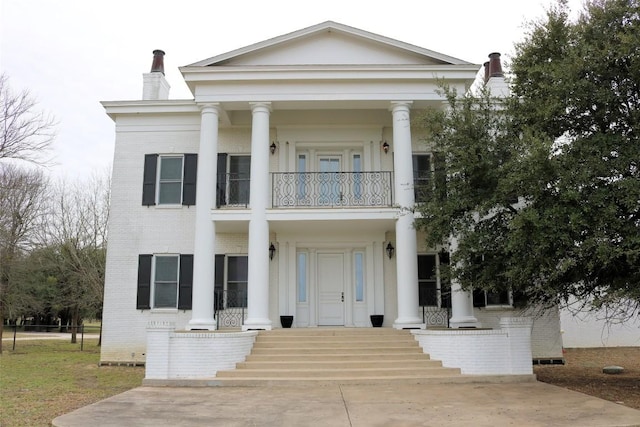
(390, 249)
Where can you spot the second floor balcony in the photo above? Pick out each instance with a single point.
(331, 189)
(313, 189)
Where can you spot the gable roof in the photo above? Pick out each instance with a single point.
(260, 51)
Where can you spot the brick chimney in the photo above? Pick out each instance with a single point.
(494, 77)
(495, 66)
(154, 84)
(486, 72)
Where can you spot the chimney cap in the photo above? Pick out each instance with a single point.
(157, 66)
(495, 66)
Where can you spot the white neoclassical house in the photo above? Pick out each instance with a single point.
(285, 187)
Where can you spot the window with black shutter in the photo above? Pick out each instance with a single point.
(143, 300)
(189, 179)
(149, 180)
(185, 286)
(169, 179)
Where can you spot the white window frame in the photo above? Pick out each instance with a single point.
(154, 281)
(160, 181)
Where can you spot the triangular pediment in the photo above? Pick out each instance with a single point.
(330, 43)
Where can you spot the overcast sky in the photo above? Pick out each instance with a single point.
(73, 54)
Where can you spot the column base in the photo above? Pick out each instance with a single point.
(201, 325)
(409, 323)
(257, 324)
(464, 322)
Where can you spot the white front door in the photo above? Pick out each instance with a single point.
(330, 289)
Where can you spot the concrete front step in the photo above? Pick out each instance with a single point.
(337, 331)
(334, 350)
(335, 355)
(337, 373)
(340, 364)
(333, 344)
(335, 338)
(399, 357)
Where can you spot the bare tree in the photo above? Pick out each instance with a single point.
(25, 132)
(77, 230)
(22, 205)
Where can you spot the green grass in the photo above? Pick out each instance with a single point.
(43, 379)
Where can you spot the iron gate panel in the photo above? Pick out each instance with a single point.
(230, 308)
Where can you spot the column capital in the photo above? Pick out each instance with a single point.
(209, 107)
(260, 106)
(400, 106)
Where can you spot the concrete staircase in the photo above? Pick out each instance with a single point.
(336, 355)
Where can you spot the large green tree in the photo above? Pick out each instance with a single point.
(566, 146)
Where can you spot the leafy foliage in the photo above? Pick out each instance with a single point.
(567, 144)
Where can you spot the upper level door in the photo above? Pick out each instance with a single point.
(329, 184)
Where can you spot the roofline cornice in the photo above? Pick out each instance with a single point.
(170, 106)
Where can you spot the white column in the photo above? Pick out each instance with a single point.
(205, 232)
(258, 278)
(406, 244)
(461, 300)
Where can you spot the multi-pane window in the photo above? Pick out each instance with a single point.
(170, 180)
(422, 174)
(427, 284)
(233, 181)
(165, 283)
(239, 183)
(237, 277)
(498, 298)
(431, 292)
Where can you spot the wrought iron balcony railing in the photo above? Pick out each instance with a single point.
(331, 189)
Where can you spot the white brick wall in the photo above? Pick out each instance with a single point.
(546, 338)
(505, 351)
(193, 355)
(135, 229)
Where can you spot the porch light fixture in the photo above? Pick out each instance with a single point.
(390, 249)
(273, 147)
(385, 147)
(272, 251)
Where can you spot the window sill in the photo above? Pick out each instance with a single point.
(164, 310)
(175, 206)
(498, 307)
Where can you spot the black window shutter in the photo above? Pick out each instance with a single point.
(219, 282)
(189, 179)
(149, 180)
(143, 301)
(221, 185)
(186, 282)
(478, 298)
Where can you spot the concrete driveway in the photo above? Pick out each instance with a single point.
(494, 405)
